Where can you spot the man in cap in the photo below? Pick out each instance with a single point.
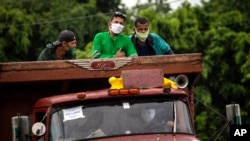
(61, 49)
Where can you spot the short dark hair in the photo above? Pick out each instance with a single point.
(140, 20)
(118, 14)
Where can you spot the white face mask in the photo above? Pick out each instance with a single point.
(116, 28)
(142, 36)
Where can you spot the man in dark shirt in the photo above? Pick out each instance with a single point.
(62, 49)
(146, 43)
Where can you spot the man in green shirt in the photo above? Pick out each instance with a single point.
(113, 44)
(62, 49)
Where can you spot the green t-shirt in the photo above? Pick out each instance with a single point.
(49, 54)
(105, 46)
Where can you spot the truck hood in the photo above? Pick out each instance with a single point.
(152, 137)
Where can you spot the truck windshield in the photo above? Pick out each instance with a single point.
(118, 118)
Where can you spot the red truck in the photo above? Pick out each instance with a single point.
(143, 98)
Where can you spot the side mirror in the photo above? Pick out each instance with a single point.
(20, 128)
(38, 129)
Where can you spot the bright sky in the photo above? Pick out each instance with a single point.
(173, 3)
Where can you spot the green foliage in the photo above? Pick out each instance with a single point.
(105, 6)
(241, 45)
(86, 53)
(225, 62)
(14, 34)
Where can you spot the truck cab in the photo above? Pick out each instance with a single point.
(154, 108)
(157, 116)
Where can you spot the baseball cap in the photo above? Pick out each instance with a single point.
(65, 35)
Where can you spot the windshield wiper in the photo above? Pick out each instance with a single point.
(97, 133)
(174, 128)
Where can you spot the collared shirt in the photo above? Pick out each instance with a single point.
(105, 46)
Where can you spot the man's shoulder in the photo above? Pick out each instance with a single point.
(154, 35)
(102, 34)
(45, 54)
(47, 50)
(122, 37)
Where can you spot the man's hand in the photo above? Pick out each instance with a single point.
(120, 53)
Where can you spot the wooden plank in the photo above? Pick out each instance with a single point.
(79, 69)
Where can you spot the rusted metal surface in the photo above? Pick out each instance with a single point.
(148, 78)
(95, 68)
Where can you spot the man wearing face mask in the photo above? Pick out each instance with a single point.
(62, 49)
(113, 44)
(146, 43)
